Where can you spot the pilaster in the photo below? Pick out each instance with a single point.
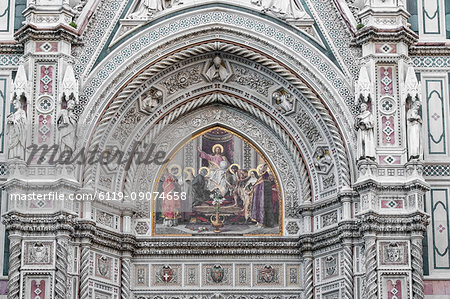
(390, 160)
(40, 212)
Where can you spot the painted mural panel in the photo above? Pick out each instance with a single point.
(436, 116)
(217, 183)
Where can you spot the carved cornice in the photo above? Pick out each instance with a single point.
(35, 185)
(60, 32)
(373, 34)
(378, 186)
(39, 223)
(87, 229)
(374, 222)
(335, 235)
(11, 47)
(435, 49)
(318, 205)
(223, 246)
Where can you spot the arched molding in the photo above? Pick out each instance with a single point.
(292, 53)
(161, 65)
(304, 128)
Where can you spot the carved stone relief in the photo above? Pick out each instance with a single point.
(150, 100)
(166, 275)
(306, 124)
(127, 124)
(39, 253)
(182, 79)
(217, 70)
(330, 266)
(283, 100)
(322, 160)
(141, 278)
(217, 274)
(267, 275)
(394, 253)
(251, 79)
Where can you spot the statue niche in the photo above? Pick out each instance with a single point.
(217, 183)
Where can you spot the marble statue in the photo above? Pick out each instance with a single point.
(146, 8)
(66, 125)
(366, 140)
(16, 131)
(285, 9)
(414, 129)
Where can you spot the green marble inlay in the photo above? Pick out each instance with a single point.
(426, 264)
(431, 16)
(5, 14)
(434, 206)
(441, 138)
(18, 16)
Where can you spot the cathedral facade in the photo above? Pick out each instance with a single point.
(225, 149)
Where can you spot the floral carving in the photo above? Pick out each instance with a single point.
(307, 126)
(182, 79)
(127, 124)
(292, 228)
(252, 80)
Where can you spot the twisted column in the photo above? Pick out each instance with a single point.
(125, 279)
(309, 278)
(371, 269)
(61, 269)
(15, 251)
(417, 267)
(348, 271)
(84, 273)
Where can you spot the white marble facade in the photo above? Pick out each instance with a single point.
(308, 141)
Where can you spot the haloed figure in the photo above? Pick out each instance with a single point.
(248, 192)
